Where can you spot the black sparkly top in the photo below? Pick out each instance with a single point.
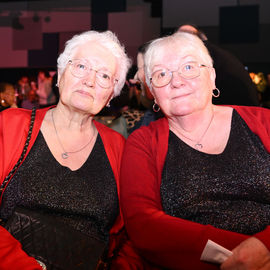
(86, 199)
(230, 190)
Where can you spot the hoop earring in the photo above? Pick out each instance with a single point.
(217, 92)
(156, 108)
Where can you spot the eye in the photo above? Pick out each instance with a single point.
(104, 76)
(80, 66)
(161, 74)
(188, 67)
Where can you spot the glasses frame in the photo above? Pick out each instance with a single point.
(89, 68)
(180, 74)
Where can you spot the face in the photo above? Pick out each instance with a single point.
(140, 68)
(85, 94)
(9, 95)
(183, 96)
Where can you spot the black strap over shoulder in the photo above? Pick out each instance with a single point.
(8, 177)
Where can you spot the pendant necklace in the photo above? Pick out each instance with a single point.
(198, 145)
(65, 154)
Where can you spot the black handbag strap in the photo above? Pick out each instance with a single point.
(8, 177)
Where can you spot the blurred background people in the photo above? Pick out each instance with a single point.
(22, 87)
(45, 93)
(32, 99)
(7, 96)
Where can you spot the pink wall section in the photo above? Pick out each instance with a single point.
(133, 28)
(66, 22)
(29, 38)
(8, 56)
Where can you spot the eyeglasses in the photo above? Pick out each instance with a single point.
(80, 68)
(189, 70)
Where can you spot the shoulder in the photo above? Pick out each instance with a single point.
(109, 134)
(21, 113)
(252, 111)
(151, 133)
(15, 116)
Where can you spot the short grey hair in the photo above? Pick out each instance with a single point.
(107, 40)
(184, 41)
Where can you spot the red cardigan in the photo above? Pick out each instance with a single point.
(163, 240)
(14, 125)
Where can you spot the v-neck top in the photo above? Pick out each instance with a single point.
(85, 199)
(230, 190)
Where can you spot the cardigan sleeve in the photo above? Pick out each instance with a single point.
(12, 256)
(164, 240)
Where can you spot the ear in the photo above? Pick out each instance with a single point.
(58, 77)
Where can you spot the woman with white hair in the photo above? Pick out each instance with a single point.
(200, 173)
(70, 169)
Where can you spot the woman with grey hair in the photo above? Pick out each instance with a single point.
(71, 167)
(200, 173)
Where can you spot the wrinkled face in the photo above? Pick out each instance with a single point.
(9, 95)
(84, 93)
(182, 96)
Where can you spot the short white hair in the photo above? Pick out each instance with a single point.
(106, 39)
(182, 40)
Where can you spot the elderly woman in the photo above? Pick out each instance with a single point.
(7, 96)
(71, 168)
(201, 173)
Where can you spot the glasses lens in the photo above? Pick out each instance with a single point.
(189, 70)
(79, 68)
(161, 77)
(104, 79)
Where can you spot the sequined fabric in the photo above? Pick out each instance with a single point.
(85, 199)
(230, 190)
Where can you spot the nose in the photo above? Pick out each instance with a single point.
(90, 79)
(176, 80)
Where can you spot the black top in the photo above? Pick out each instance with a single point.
(230, 190)
(85, 199)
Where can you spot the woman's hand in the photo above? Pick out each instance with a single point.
(251, 254)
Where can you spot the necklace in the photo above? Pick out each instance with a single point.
(65, 154)
(198, 145)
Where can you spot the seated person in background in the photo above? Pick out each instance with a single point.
(232, 79)
(7, 96)
(199, 173)
(145, 97)
(44, 91)
(74, 161)
(23, 87)
(32, 99)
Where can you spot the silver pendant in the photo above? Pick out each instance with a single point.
(65, 155)
(198, 146)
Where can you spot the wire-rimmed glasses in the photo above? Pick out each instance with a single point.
(80, 68)
(163, 76)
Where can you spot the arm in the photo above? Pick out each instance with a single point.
(12, 256)
(162, 239)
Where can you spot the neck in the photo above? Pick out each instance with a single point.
(194, 127)
(72, 119)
